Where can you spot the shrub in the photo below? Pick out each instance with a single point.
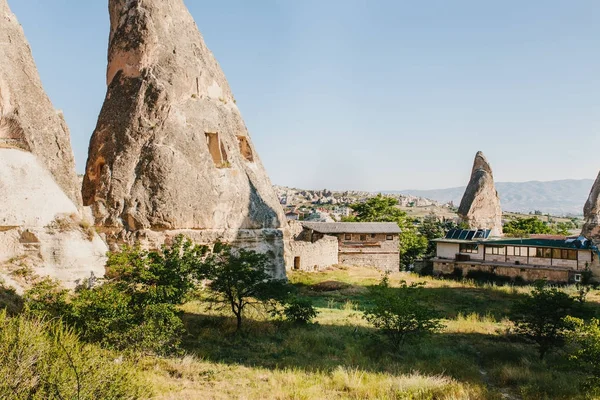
(300, 311)
(586, 352)
(398, 313)
(45, 360)
(135, 308)
(540, 317)
(47, 298)
(239, 279)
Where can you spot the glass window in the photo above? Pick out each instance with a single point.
(363, 238)
(389, 237)
(547, 253)
(373, 235)
(510, 250)
(468, 248)
(347, 236)
(557, 253)
(572, 255)
(532, 251)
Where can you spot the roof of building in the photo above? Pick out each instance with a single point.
(352, 227)
(573, 243)
(582, 244)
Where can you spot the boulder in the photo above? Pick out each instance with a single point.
(480, 205)
(42, 231)
(591, 212)
(171, 153)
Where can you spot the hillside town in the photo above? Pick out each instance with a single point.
(175, 195)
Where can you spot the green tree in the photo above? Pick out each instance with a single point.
(585, 353)
(239, 279)
(135, 307)
(431, 228)
(540, 317)
(385, 209)
(523, 227)
(398, 313)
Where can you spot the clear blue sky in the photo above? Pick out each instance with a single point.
(371, 94)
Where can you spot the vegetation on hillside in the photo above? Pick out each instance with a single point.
(523, 227)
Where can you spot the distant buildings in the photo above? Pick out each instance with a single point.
(540, 257)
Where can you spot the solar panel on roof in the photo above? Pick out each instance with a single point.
(486, 233)
(463, 234)
(478, 234)
(471, 234)
(456, 234)
(450, 233)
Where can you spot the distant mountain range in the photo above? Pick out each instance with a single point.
(564, 197)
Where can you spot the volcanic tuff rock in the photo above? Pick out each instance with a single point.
(480, 205)
(40, 222)
(171, 153)
(591, 212)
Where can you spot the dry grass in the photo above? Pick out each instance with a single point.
(340, 358)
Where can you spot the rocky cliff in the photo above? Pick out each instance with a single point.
(41, 226)
(480, 205)
(171, 153)
(591, 212)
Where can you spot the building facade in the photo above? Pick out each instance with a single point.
(373, 244)
(530, 259)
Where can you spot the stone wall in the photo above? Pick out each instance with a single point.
(384, 261)
(307, 256)
(527, 273)
(267, 241)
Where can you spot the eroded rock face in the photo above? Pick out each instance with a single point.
(170, 151)
(480, 205)
(591, 212)
(27, 119)
(41, 226)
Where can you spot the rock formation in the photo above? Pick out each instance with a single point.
(591, 212)
(40, 221)
(170, 153)
(480, 205)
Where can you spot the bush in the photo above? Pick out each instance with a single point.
(540, 317)
(586, 352)
(398, 313)
(135, 308)
(45, 360)
(300, 311)
(239, 279)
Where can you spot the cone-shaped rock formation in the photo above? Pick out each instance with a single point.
(591, 212)
(171, 153)
(40, 220)
(480, 205)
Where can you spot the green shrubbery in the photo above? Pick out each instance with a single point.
(399, 314)
(45, 360)
(299, 311)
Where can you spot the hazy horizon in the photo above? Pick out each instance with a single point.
(381, 95)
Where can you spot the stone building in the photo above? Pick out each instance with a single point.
(349, 243)
(549, 258)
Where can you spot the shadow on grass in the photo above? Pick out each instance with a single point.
(471, 358)
(10, 300)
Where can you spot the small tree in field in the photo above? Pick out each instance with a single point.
(239, 279)
(540, 317)
(399, 315)
(586, 352)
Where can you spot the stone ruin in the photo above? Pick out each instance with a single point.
(480, 205)
(171, 153)
(41, 223)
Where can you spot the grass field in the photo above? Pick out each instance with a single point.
(340, 357)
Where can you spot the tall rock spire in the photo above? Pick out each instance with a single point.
(591, 212)
(480, 205)
(40, 196)
(171, 151)
(27, 119)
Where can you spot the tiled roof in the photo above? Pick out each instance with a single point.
(352, 227)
